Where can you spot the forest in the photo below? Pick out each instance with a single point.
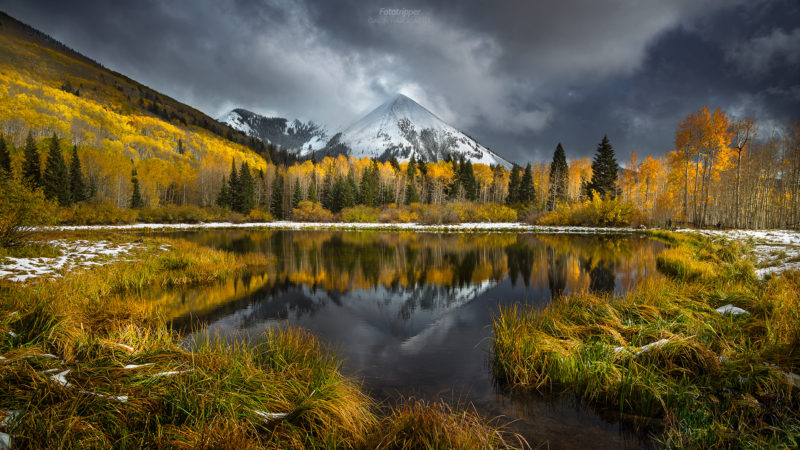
(720, 173)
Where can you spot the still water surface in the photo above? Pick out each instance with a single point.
(410, 313)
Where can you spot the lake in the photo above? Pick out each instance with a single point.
(410, 313)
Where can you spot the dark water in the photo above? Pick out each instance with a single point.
(410, 313)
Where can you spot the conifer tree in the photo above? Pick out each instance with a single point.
(224, 196)
(467, 180)
(327, 191)
(513, 186)
(5, 158)
(136, 195)
(77, 185)
(297, 193)
(350, 191)
(234, 188)
(276, 204)
(527, 192)
(31, 166)
(370, 185)
(312, 190)
(559, 173)
(247, 191)
(56, 181)
(412, 195)
(604, 171)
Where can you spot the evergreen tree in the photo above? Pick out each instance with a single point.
(513, 186)
(604, 171)
(559, 178)
(276, 205)
(467, 180)
(181, 150)
(328, 196)
(247, 190)
(224, 196)
(56, 176)
(370, 185)
(234, 188)
(297, 193)
(77, 186)
(350, 191)
(5, 158)
(412, 195)
(136, 195)
(527, 192)
(312, 190)
(31, 166)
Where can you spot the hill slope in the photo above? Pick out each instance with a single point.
(47, 88)
(294, 136)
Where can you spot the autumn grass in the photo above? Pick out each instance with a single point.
(281, 390)
(417, 424)
(712, 379)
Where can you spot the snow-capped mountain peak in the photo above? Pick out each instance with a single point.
(403, 128)
(292, 135)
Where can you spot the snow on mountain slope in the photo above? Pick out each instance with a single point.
(402, 128)
(294, 136)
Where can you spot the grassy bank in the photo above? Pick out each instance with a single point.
(663, 351)
(84, 366)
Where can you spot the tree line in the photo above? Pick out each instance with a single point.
(720, 173)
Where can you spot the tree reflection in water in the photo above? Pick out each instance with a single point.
(410, 313)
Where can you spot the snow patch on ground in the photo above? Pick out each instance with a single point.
(463, 227)
(75, 254)
(776, 251)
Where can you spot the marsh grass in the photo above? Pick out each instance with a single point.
(281, 390)
(706, 380)
(418, 424)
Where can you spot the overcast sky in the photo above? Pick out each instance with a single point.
(517, 76)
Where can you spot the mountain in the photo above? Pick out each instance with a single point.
(294, 136)
(48, 89)
(402, 128)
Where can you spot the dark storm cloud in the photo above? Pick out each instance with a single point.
(518, 76)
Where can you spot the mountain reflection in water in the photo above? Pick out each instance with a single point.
(410, 313)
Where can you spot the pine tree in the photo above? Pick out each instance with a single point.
(234, 188)
(56, 181)
(297, 193)
(247, 191)
(467, 180)
(77, 185)
(31, 166)
(276, 204)
(527, 192)
(312, 190)
(136, 195)
(224, 196)
(412, 195)
(327, 191)
(559, 178)
(181, 150)
(350, 191)
(5, 158)
(604, 171)
(370, 185)
(513, 186)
